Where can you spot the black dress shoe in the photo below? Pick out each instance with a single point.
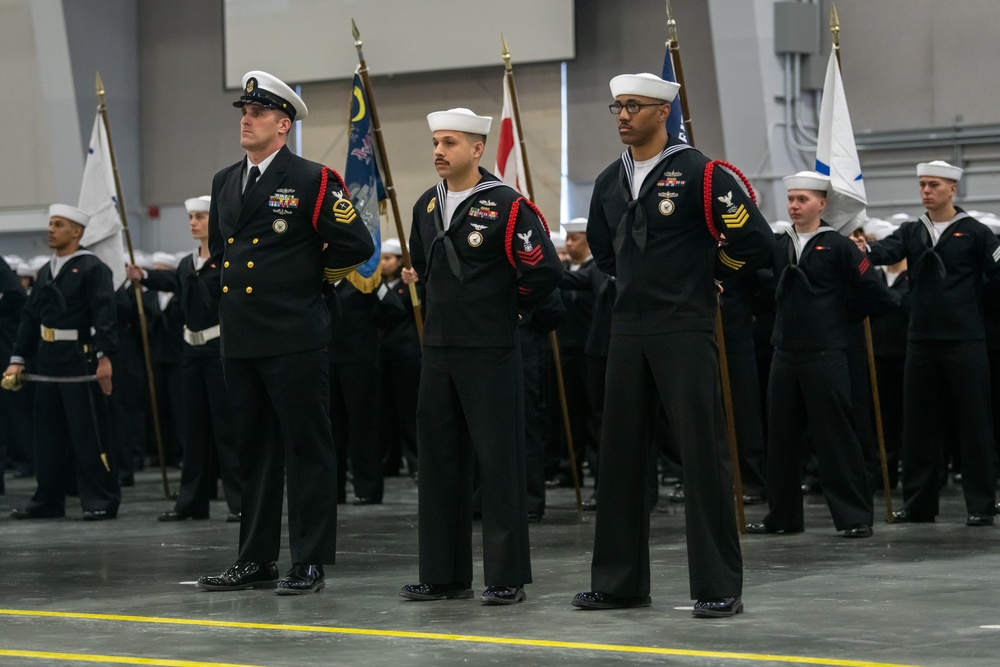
(25, 513)
(718, 607)
(301, 579)
(241, 575)
(858, 530)
(234, 517)
(503, 595)
(436, 591)
(760, 528)
(590, 504)
(599, 600)
(676, 495)
(180, 516)
(358, 500)
(534, 517)
(98, 515)
(979, 520)
(752, 499)
(903, 516)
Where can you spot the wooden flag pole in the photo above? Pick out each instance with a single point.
(553, 339)
(103, 110)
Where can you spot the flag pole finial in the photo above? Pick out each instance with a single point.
(357, 41)
(505, 53)
(99, 88)
(835, 26)
(671, 27)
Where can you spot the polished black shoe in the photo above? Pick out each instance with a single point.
(25, 513)
(599, 600)
(241, 575)
(752, 499)
(503, 595)
(858, 530)
(180, 516)
(676, 495)
(979, 520)
(424, 592)
(358, 500)
(590, 504)
(903, 516)
(760, 528)
(302, 579)
(234, 517)
(718, 607)
(534, 517)
(98, 515)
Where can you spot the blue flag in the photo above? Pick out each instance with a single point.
(362, 175)
(675, 121)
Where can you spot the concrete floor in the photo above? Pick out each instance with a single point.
(121, 592)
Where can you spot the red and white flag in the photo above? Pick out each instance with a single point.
(509, 166)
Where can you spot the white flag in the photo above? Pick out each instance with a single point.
(837, 156)
(509, 166)
(103, 235)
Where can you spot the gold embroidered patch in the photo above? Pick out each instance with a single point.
(430, 204)
(343, 211)
(736, 219)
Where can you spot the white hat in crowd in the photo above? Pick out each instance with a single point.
(391, 247)
(71, 213)
(459, 120)
(646, 85)
(270, 92)
(941, 169)
(202, 203)
(575, 225)
(807, 180)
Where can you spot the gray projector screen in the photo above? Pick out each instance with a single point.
(310, 40)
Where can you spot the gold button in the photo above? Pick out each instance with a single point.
(226, 264)
(225, 289)
(231, 239)
(255, 241)
(249, 265)
(249, 290)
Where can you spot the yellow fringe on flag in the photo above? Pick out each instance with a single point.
(366, 285)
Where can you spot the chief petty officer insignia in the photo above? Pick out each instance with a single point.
(343, 211)
(251, 82)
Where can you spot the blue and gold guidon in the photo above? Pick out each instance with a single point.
(363, 181)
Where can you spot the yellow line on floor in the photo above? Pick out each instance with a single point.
(509, 641)
(114, 659)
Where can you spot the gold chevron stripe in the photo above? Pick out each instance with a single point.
(343, 211)
(733, 264)
(737, 219)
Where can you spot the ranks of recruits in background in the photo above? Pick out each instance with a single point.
(951, 257)
(205, 419)
(399, 364)
(270, 216)
(482, 253)
(824, 284)
(68, 329)
(647, 226)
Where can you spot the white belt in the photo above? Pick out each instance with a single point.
(201, 337)
(51, 335)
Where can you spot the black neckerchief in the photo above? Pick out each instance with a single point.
(634, 211)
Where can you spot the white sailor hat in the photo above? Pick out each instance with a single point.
(558, 239)
(460, 120)
(879, 228)
(165, 259)
(12, 260)
(37, 262)
(24, 270)
(646, 85)
(142, 259)
(941, 169)
(992, 222)
(807, 180)
(575, 225)
(271, 92)
(780, 226)
(391, 247)
(71, 213)
(202, 203)
(900, 217)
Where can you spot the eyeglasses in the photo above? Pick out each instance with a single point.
(632, 107)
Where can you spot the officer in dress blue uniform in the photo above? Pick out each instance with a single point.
(483, 252)
(270, 216)
(647, 226)
(68, 326)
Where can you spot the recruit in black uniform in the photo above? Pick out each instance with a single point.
(483, 253)
(647, 226)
